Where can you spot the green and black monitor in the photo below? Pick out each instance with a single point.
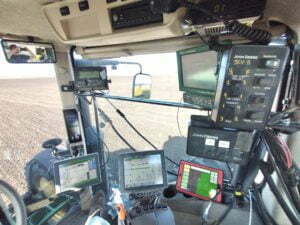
(77, 173)
(197, 71)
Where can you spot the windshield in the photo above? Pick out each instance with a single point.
(165, 127)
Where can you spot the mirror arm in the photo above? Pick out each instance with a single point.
(146, 101)
(133, 63)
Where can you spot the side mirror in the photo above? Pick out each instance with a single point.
(142, 84)
(28, 52)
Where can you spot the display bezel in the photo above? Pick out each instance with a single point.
(190, 51)
(180, 174)
(88, 157)
(141, 154)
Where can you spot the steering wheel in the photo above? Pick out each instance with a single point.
(12, 207)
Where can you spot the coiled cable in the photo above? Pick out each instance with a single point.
(234, 26)
(253, 34)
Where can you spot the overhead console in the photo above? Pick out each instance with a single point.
(135, 14)
(109, 22)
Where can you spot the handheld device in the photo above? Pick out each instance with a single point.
(142, 171)
(200, 181)
(197, 72)
(72, 125)
(77, 173)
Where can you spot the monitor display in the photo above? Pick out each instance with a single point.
(199, 70)
(143, 170)
(77, 173)
(73, 126)
(89, 74)
(200, 181)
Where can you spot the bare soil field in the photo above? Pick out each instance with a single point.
(30, 113)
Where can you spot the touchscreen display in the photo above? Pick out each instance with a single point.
(199, 181)
(143, 170)
(77, 173)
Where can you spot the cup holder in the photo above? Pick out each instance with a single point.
(170, 191)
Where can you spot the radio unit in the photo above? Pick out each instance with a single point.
(134, 14)
(248, 81)
(206, 140)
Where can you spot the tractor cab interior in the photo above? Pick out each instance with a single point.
(236, 66)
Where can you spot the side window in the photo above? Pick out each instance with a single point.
(30, 114)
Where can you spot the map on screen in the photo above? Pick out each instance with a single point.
(77, 173)
(143, 171)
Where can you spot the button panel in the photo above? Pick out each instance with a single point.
(83, 5)
(251, 77)
(64, 11)
(218, 144)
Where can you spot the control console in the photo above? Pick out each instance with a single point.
(144, 203)
(248, 81)
(206, 102)
(206, 140)
(142, 178)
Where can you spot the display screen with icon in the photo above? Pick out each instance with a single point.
(200, 181)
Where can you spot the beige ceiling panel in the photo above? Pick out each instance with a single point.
(77, 27)
(93, 27)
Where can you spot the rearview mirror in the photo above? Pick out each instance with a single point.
(28, 52)
(142, 84)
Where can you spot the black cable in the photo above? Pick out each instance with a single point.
(262, 210)
(139, 133)
(120, 113)
(108, 152)
(234, 26)
(291, 213)
(268, 141)
(176, 164)
(177, 118)
(229, 168)
(133, 127)
(122, 138)
(247, 32)
(225, 214)
(286, 174)
(174, 174)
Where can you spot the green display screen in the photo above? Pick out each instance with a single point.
(89, 74)
(77, 173)
(199, 70)
(199, 181)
